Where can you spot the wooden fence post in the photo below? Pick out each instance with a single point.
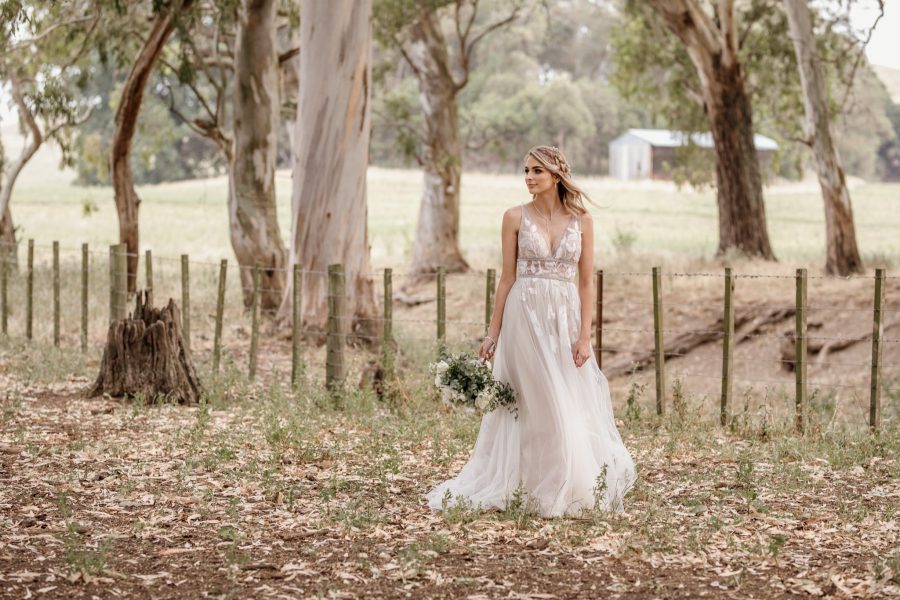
(220, 314)
(800, 353)
(489, 291)
(148, 273)
(387, 342)
(85, 270)
(29, 293)
(658, 341)
(254, 322)
(598, 326)
(55, 293)
(297, 366)
(334, 356)
(877, 334)
(441, 310)
(186, 301)
(727, 348)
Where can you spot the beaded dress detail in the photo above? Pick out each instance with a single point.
(564, 449)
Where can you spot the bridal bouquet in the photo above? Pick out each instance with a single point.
(469, 382)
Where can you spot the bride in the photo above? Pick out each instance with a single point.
(563, 453)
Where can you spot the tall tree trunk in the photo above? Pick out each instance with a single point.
(713, 48)
(11, 172)
(9, 249)
(35, 138)
(252, 208)
(437, 233)
(842, 256)
(329, 222)
(127, 202)
(290, 89)
(742, 211)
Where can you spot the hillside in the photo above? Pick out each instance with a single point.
(891, 79)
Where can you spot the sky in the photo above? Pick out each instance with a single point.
(883, 48)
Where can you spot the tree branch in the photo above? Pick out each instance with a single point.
(753, 18)
(24, 112)
(466, 47)
(862, 50)
(725, 12)
(28, 149)
(24, 43)
(288, 55)
(200, 97)
(683, 16)
(399, 43)
(71, 123)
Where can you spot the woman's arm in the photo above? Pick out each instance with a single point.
(509, 238)
(582, 349)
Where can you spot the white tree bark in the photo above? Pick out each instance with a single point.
(842, 254)
(329, 213)
(252, 209)
(35, 138)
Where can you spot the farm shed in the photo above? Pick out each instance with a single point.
(649, 153)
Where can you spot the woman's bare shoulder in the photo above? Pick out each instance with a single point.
(512, 216)
(513, 211)
(586, 219)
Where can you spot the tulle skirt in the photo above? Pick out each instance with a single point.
(564, 452)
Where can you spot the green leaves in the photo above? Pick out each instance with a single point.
(391, 17)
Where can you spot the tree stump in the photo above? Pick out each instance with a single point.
(145, 355)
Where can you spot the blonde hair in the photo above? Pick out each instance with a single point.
(570, 194)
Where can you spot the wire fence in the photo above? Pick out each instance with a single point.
(644, 323)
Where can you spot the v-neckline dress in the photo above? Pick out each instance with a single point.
(564, 450)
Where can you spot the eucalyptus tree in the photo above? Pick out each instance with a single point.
(841, 254)
(675, 74)
(42, 45)
(230, 65)
(164, 17)
(329, 213)
(437, 39)
(710, 36)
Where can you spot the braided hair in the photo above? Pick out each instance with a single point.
(571, 195)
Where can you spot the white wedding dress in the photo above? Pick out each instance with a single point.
(565, 436)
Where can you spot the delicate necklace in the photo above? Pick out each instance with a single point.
(552, 212)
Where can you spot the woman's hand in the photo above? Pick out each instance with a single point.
(581, 351)
(486, 352)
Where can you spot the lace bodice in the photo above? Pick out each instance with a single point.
(536, 258)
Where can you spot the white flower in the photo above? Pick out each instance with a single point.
(437, 380)
(482, 400)
(441, 367)
(488, 363)
(446, 394)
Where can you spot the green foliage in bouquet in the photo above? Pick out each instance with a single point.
(468, 381)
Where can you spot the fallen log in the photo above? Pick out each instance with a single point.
(145, 357)
(746, 323)
(822, 347)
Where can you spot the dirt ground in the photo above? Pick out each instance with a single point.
(269, 496)
(263, 492)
